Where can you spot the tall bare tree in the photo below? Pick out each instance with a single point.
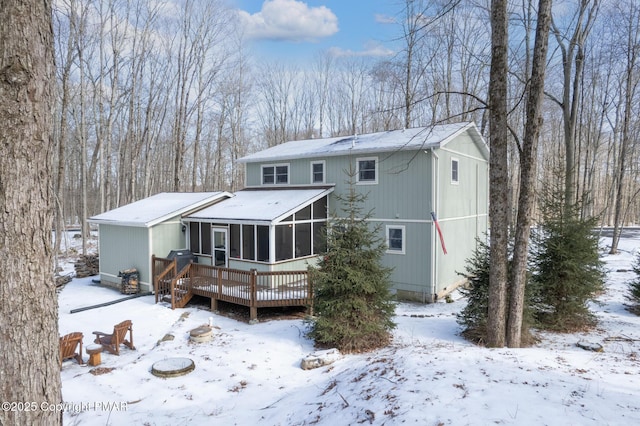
(276, 87)
(630, 81)
(29, 359)
(528, 160)
(571, 43)
(66, 54)
(322, 67)
(498, 176)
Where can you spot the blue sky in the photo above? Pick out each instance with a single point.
(296, 30)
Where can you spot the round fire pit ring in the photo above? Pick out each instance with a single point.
(173, 367)
(201, 334)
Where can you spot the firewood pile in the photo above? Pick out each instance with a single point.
(63, 279)
(87, 266)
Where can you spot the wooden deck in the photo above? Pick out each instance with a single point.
(247, 288)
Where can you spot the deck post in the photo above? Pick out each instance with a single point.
(310, 297)
(173, 293)
(153, 274)
(214, 304)
(253, 303)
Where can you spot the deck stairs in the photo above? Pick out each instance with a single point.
(177, 289)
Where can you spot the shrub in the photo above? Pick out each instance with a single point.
(634, 288)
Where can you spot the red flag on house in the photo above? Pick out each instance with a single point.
(435, 221)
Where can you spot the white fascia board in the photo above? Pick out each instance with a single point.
(190, 208)
(301, 206)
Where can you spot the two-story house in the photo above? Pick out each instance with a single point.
(275, 224)
(407, 175)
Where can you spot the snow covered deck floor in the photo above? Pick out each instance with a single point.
(247, 288)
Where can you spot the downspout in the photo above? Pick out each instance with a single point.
(435, 184)
(150, 260)
(477, 200)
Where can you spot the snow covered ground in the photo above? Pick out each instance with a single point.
(429, 375)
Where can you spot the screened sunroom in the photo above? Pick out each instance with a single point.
(262, 229)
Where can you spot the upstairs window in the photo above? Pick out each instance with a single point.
(454, 170)
(317, 172)
(367, 170)
(275, 174)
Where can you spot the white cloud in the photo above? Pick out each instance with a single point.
(371, 49)
(385, 19)
(290, 20)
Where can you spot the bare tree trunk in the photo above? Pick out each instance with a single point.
(82, 134)
(528, 159)
(116, 39)
(630, 87)
(323, 68)
(572, 50)
(64, 64)
(498, 176)
(30, 371)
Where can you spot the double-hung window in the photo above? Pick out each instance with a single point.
(367, 170)
(395, 239)
(275, 174)
(317, 171)
(455, 164)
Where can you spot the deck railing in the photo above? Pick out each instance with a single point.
(164, 270)
(247, 288)
(181, 288)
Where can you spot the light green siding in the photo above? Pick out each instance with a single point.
(462, 208)
(411, 271)
(124, 247)
(403, 189)
(291, 265)
(295, 264)
(410, 185)
(244, 265)
(167, 236)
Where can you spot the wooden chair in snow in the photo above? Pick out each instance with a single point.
(68, 345)
(111, 342)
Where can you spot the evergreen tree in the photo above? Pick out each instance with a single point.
(568, 269)
(634, 288)
(473, 318)
(351, 288)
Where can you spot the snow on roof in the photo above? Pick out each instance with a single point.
(408, 139)
(157, 208)
(260, 205)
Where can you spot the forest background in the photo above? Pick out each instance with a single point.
(159, 96)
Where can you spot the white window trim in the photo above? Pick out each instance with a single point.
(457, 181)
(404, 239)
(366, 182)
(275, 176)
(324, 171)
